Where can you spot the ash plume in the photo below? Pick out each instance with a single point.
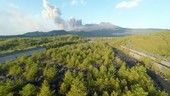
(53, 13)
(74, 23)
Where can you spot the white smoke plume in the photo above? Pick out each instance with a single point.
(74, 23)
(51, 12)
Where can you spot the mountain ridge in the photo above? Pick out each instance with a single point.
(91, 30)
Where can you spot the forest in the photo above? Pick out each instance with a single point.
(152, 43)
(155, 43)
(72, 66)
(21, 43)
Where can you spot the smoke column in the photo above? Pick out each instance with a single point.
(50, 12)
(74, 23)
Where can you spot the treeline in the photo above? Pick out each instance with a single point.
(21, 43)
(79, 69)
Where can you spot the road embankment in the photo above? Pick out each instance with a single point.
(164, 63)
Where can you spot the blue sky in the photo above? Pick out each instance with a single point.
(20, 16)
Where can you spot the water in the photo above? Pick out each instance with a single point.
(13, 55)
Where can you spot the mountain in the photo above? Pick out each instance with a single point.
(92, 30)
(94, 27)
(108, 30)
(38, 34)
(98, 30)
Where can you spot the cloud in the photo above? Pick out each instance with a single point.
(128, 4)
(53, 13)
(75, 2)
(14, 21)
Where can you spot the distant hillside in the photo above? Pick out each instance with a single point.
(38, 34)
(96, 30)
(156, 43)
(91, 30)
(118, 32)
(50, 33)
(94, 27)
(102, 33)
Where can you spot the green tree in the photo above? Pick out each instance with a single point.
(95, 94)
(45, 89)
(105, 93)
(15, 70)
(114, 93)
(138, 91)
(77, 88)
(9, 86)
(29, 90)
(31, 71)
(103, 69)
(67, 82)
(10, 94)
(50, 72)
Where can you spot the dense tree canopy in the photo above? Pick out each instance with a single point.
(75, 69)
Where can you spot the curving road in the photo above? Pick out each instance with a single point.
(13, 55)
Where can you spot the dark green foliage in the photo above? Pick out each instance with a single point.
(50, 72)
(15, 70)
(45, 90)
(31, 71)
(74, 69)
(77, 87)
(13, 44)
(10, 86)
(29, 90)
(156, 45)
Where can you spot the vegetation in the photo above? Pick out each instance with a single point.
(157, 43)
(13, 44)
(74, 69)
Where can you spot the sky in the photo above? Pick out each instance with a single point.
(21, 16)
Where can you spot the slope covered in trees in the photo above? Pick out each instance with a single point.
(77, 69)
(155, 43)
(13, 44)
